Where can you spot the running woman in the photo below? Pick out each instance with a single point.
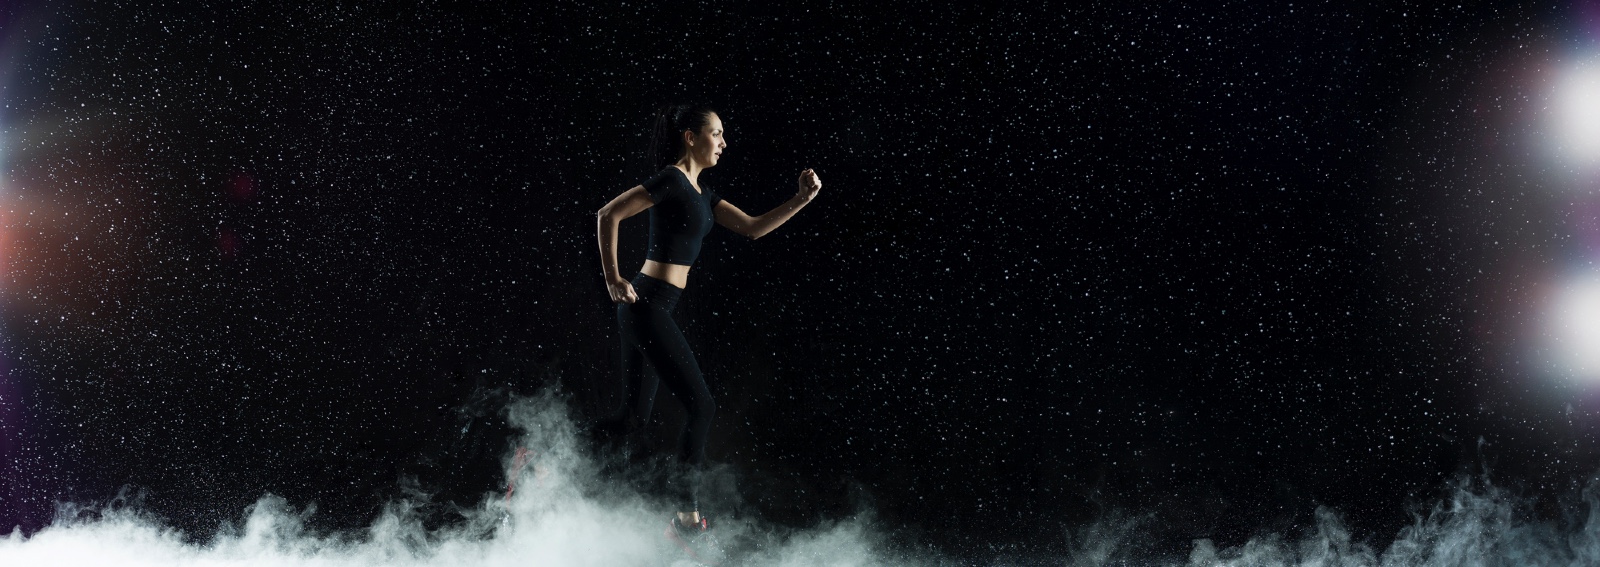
(686, 141)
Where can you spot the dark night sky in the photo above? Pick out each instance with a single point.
(1219, 262)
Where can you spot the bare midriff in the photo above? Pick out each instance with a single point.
(675, 274)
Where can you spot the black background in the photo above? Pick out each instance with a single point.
(1220, 263)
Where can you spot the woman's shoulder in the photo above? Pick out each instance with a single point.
(669, 174)
(670, 180)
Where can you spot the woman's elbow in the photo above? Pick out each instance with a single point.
(747, 230)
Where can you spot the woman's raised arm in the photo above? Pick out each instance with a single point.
(736, 220)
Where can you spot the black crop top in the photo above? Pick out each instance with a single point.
(680, 218)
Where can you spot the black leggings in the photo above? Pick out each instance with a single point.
(651, 338)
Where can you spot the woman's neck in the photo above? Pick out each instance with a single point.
(691, 170)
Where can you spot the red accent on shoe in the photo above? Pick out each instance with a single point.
(672, 534)
(520, 461)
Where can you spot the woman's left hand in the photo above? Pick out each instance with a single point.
(810, 184)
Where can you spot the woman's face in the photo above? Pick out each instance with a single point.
(706, 147)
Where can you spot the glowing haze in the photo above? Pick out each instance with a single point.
(1577, 114)
(1575, 328)
(1571, 322)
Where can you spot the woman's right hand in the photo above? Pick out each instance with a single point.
(621, 291)
(810, 184)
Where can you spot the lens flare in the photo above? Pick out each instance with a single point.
(1574, 329)
(1576, 114)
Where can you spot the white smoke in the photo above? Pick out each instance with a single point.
(1480, 524)
(557, 516)
(560, 515)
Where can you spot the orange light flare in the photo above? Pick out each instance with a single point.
(28, 228)
(8, 251)
(75, 237)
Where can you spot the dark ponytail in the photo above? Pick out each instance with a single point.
(666, 139)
